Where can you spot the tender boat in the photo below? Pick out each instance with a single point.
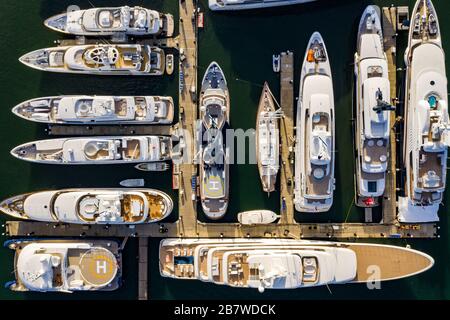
(132, 21)
(257, 217)
(99, 59)
(276, 60)
(426, 121)
(169, 64)
(96, 150)
(372, 129)
(91, 206)
(214, 164)
(286, 264)
(314, 150)
(97, 110)
(132, 183)
(267, 140)
(63, 265)
(153, 166)
(225, 5)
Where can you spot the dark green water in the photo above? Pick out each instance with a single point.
(243, 44)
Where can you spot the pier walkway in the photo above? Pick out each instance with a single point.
(287, 137)
(389, 20)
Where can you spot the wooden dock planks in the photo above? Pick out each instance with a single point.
(143, 269)
(389, 17)
(287, 137)
(187, 223)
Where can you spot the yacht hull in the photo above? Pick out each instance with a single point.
(266, 143)
(95, 150)
(426, 118)
(45, 110)
(59, 23)
(44, 206)
(314, 150)
(214, 159)
(41, 60)
(373, 262)
(106, 253)
(372, 129)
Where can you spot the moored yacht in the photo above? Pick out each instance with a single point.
(267, 140)
(372, 125)
(97, 110)
(314, 150)
(96, 150)
(63, 265)
(286, 264)
(99, 59)
(133, 21)
(91, 206)
(224, 5)
(426, 118)
(214, 167)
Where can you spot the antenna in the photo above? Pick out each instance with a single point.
(329, 289)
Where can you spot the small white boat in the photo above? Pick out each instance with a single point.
(132, 183)
(169, 64)
(96, 150)
(67, 266)
(153, 166)
(276, 61)
(93, 110)
(133, 21)
(230, 5)
(99, 59)
(91, 206)
(257, 217)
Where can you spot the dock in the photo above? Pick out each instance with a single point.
(389, 20)
(187, 223)
(287, 137)
(143, 269)
(195, 229)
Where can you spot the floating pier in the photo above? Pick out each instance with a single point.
(389, 203)
(143, 269)
(287, 137)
